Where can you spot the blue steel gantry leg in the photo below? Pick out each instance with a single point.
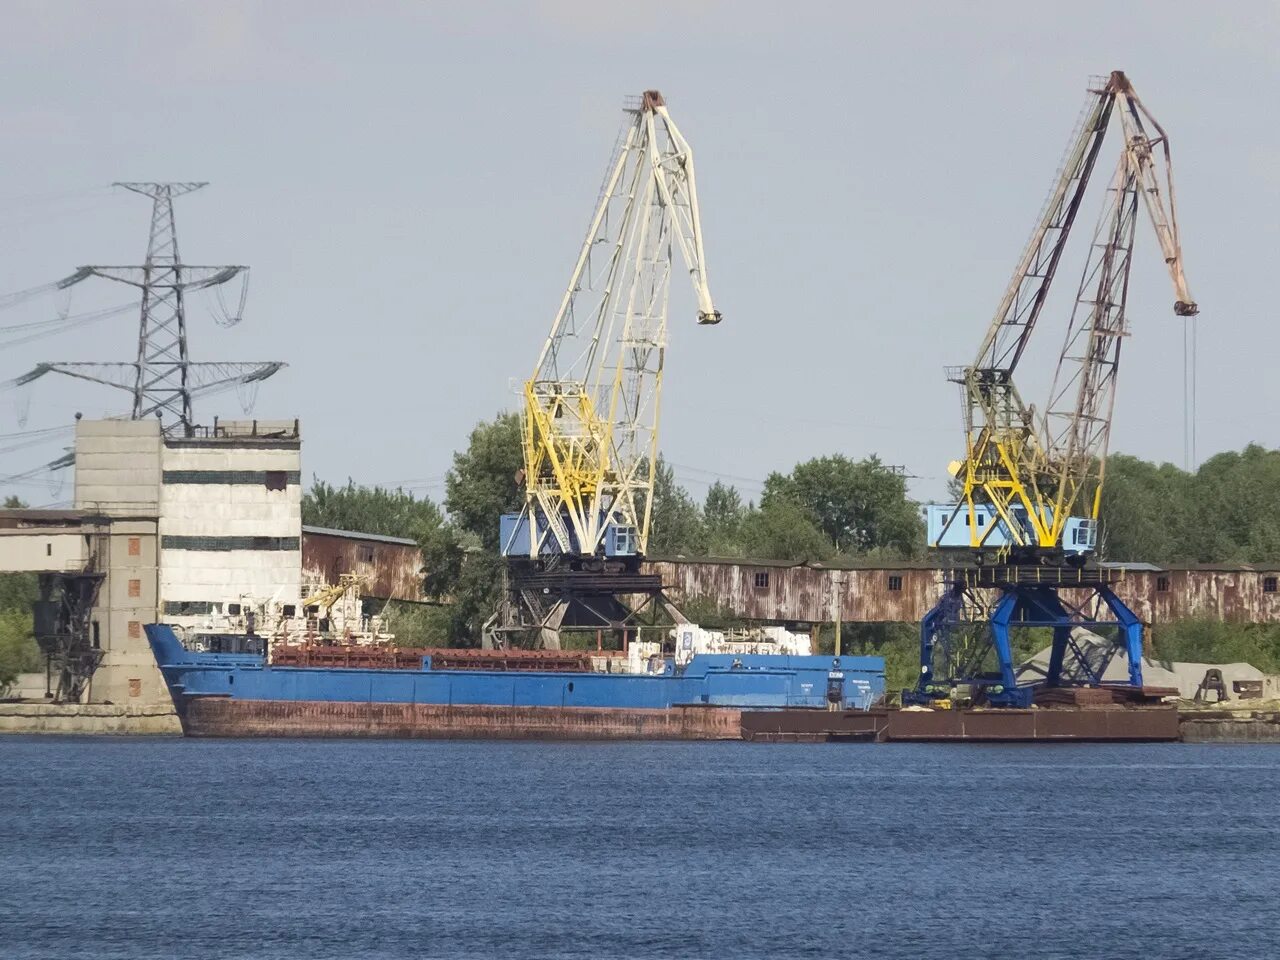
(1130, 628)
(935, 632)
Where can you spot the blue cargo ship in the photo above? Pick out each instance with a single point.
(243, 694)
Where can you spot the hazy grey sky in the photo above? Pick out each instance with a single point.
(410, 183)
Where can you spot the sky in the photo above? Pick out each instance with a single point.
(410, 183)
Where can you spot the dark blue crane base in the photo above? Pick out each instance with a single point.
(944, 666)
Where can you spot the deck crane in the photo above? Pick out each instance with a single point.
(1031, 481)
(591, 406)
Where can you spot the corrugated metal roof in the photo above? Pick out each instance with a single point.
(355, 535)
(30, 517)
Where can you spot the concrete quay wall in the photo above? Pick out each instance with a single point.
(89, 718)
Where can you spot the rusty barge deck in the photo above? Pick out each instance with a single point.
(1146, 724)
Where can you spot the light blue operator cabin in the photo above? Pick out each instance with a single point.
(619, 541)
(951, 526)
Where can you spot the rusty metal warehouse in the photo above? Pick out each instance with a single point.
(391, 566)
(880, 593)
(801, 593)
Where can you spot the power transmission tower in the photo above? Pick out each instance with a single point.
(162, 379)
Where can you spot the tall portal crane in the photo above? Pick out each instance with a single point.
(591, 406)
(1031, 482)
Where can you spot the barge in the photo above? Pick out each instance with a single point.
(236, 689)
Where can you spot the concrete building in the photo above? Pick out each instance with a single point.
(178, 525)
(42, 541)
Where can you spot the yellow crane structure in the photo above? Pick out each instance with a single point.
(1031, 480)
(592, 405)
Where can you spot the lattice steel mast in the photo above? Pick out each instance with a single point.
(162, 379)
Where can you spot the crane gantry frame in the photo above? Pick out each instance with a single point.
(1032, 483)
(591, 407)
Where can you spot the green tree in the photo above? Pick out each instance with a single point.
(461, 563)
(860, 505)
(18, 650)
(783, 530)
(1143, 511)
(1228, 511)
(676, 524)
(1236, 509)
(723, 514)
(1212, 641)
(485, 480)
(391, 513)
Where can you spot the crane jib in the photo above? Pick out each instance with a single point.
(591, 411)
(1031, 479)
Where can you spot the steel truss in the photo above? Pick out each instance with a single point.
(538, 606)
(162, 379)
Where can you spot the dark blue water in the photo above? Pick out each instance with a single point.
(140, 848)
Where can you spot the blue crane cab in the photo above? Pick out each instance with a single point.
(513, 529)
(951, 526)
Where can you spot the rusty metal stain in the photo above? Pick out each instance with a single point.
(223, 717)
(364, 657)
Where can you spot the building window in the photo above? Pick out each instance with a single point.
(1162, 584)
(1269, 584)
(276, 479)
(135, 588)
(97, 636)
(135, 687)
(762, 579)
(188, 608)
(895, 582)
(173, 542)
(48, 549)
(288, 610)
(366, 554)
(135, 546)
(219, 477)
(135, 629)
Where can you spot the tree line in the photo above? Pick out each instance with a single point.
(822, 509)
(1227, 511)
(827, 508)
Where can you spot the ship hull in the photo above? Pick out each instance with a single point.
(225, 717)
(221, 694)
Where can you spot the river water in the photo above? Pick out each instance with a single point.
(149, 848)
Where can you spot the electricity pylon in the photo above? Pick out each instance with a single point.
(162, 378)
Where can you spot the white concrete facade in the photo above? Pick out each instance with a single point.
(230, 522)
